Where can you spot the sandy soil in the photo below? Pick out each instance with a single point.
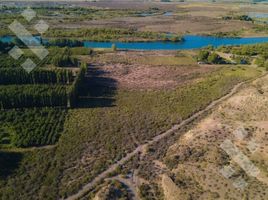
(248, 110)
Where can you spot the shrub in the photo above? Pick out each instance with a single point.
(74, 90)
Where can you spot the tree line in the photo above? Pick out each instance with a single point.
(74, 89)
(10, 76)
(23, 96)
(38, 95)
(111, 34)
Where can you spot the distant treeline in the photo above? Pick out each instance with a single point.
(4, 46)
(111, 34)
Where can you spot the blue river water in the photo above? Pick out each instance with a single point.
(190, 42)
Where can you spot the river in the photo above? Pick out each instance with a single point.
(190, 42)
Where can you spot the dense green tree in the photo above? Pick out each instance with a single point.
(74, 89)
(21, 96)
(203, 55)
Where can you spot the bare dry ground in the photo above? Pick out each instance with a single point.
(146, 77)
(198, 157)
(148, 70)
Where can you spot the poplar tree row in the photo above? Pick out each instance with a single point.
(74, 89)
(40, 88)
(21, 96)
(10, 76)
